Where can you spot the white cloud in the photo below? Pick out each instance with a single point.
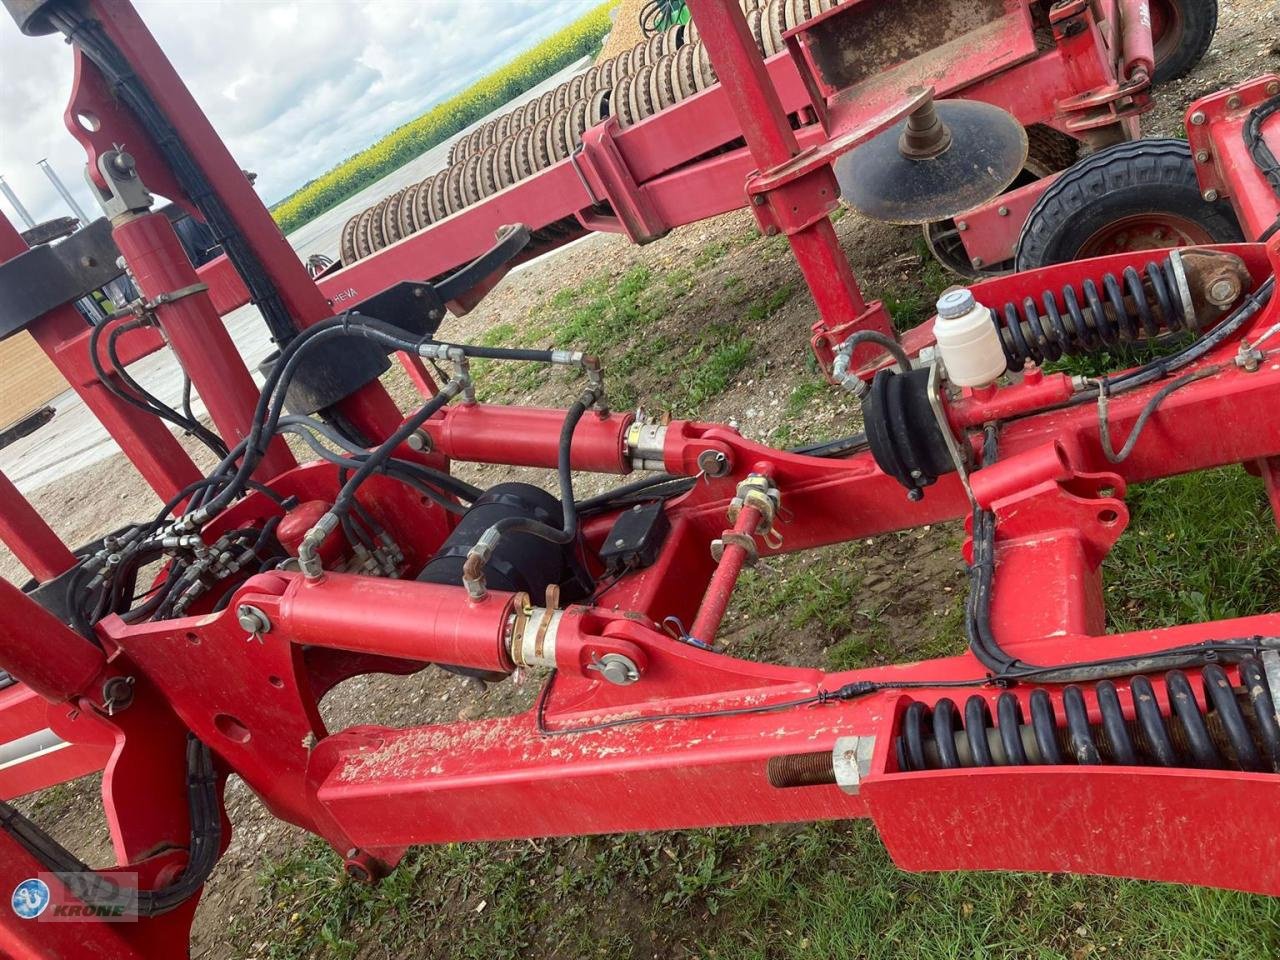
(293, 87)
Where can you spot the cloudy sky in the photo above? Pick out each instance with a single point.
(293, 86)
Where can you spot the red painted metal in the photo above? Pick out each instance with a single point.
(31, 539)
(672, 168)
(373, 412)
(54, 662)
(23, 712)
(194, 330)
(523, 436)
(735, 556)
(1215, 127)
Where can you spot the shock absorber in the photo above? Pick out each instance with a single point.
(1181, 292)
(1238, 731)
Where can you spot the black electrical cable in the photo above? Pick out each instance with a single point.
(847, 692)
(190, 424)
(445, 481)
(103, 890)
(98, 46)
(665, 486)
(1262, 155)
(380, 455)
(142, 400)
(396, 469)
(1104, 426)
(564, 472)
(1007, 669)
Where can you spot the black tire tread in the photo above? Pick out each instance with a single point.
(1201, 22)
(1160, 171)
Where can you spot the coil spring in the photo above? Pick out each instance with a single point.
(1230, 735)
(1080, 321)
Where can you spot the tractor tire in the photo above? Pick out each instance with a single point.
(1132, 196)
(1183, 30)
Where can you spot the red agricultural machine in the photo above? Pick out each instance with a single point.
(1050, 745)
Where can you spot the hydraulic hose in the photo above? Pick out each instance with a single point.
(478, 556)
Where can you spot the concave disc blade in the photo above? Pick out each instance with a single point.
(988, 148)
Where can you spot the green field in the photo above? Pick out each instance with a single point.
(444, 120)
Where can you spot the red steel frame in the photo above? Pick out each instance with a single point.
(372, 791)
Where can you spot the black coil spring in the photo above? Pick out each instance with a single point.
(1238, 731)
(1130, 308)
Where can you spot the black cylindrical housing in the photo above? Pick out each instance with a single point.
(522, 561)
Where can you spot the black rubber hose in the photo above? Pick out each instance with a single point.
(393, 468)
(378, 457)
(190, 424)
(569, 529)
(151, 405)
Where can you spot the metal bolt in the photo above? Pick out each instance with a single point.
(124, 163)
(1233, 102)
(713, 463)
(1211, 195)
(117, 694)
(962, 225)
(620, 542)
(1202, 156)
(979, 262)
(1223, 291)
(252, 620)
(617, 669)
(758, 199)
(1273, 88)
(1003, 211)
(420, 441)
(771, 231)
(1198, 118)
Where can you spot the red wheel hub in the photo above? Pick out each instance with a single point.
(1166, 27)
(1145, 231)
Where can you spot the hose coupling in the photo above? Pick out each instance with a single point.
(309, 561)
(477, 557)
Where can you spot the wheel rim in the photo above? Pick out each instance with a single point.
(1167, 27)
(1144, 231)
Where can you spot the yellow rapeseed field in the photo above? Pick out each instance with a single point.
(444, 120)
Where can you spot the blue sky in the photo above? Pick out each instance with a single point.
(293, 87)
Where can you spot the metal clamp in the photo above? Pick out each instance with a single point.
(729, 537)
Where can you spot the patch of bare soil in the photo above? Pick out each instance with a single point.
(901, 587)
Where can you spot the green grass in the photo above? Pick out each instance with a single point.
(656, 347)
(821, 890)
(1198, 547)
(913, 304)
(798, 426)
